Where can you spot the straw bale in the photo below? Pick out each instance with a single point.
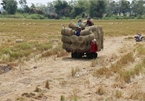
(67, 31)
(85, 32)
(73, 26)
(66, 46)
(84, 47)
(102, 37)
(80, 39)
(89, 38)
(83, 26)
(74, 46)
(92, 28)
(73, 38)
(65, 39)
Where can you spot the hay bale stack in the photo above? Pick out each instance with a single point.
(73, 43)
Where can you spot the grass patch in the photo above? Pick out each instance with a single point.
(116, 67)
(118, 94)
(100, 90)
(74, 71)
(140, 49)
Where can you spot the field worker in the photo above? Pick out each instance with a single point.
(78, 31)
(89, 22)
(79, 22)
(94, 47)
(140, 36)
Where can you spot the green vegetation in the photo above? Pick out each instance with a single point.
(74, 9)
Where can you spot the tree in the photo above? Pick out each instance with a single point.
(80, 8)
(137, 7)
(110, 8)
(10, 6)
(125, 6)
(97, 8)
(23, 3)
(62, 8)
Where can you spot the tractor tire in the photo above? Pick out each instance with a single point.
(89, 55)
(95, 55)
(76, 55)
(92, 55)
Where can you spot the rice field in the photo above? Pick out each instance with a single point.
(43, 71)
(22, 37)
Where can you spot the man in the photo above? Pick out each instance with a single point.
(89, 22)
(94, 47)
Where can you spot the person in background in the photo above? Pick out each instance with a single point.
(89, 22)
(79, 22)
(140, 36)
(94, 47)
(78, 31)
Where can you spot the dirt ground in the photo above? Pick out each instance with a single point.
(20, 83)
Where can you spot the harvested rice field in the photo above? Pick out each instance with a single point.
(35, 67)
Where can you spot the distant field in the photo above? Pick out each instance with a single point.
(43, 36)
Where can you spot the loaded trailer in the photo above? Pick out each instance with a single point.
(79, 46)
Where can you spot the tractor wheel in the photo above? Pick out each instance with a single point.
(76, 55)
(92, 55)
(95, 55)
(89, 55)
(73, 55)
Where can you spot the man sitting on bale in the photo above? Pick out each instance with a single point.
(79, 22)
(89, 22)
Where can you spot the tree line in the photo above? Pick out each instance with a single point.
(59, 9)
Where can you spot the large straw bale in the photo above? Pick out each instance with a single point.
(74, 46)
(82, 26)
(89, 38)
(74, 38)
(66, 46)
(102, 37)
(73, 26)
(67, 31)
(66, 39)
(81, 39)
(85, 32)
(84, 47)
(92, 28)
